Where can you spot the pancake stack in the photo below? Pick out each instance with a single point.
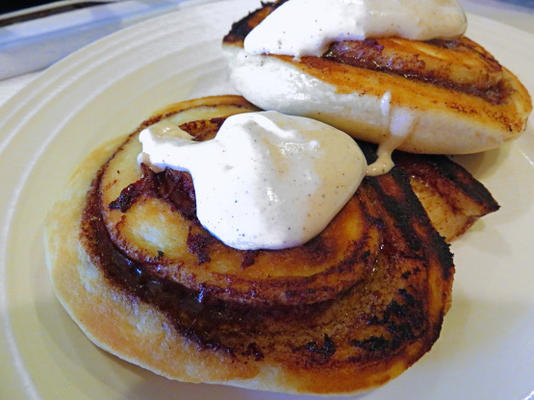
(345, 312)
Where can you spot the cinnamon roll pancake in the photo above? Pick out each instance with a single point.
(458, 96)
(345, 312)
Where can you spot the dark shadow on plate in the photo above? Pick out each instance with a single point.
(494, 243)
(507, 173)
(473, 326)
(482, 165)
(158, 388)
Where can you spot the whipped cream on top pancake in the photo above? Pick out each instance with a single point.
(323, 22)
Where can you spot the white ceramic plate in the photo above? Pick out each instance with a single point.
(486, 350)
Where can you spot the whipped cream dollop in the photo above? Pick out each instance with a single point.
(307, 27)
(267, 180)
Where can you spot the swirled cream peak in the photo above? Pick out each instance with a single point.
(307, 27)
(267, 180)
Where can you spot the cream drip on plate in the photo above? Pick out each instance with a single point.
(306, 27)
(267, 180)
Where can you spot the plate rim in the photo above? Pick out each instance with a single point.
(56, 74)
